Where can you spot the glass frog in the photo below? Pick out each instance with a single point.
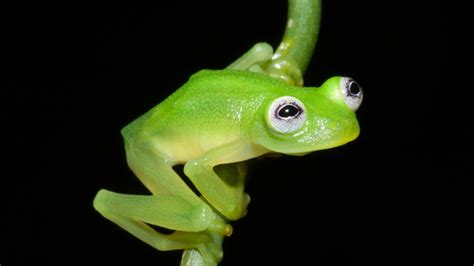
(212, 125)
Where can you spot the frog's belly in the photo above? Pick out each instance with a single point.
(183, 149)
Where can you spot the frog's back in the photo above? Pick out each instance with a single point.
(210, 109)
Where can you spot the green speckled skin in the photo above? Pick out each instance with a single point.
(219, 107)
(216, 122)
(217, 117)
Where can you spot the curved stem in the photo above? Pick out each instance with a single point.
(301, 32)
(290, 60)
(293, 55)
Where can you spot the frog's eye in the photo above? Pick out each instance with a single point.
(352, 93)
(286, 114)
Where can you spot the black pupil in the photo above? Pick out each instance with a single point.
(354, 88)
(288, 111)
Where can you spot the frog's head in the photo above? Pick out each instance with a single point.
(310, 119)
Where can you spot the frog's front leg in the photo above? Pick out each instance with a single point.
(261, 59)
(228, 198)
(254, 58)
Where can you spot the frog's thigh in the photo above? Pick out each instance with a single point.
(132, 212)
(156, 172)
(226, 198)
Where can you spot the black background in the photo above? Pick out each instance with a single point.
(78, 74)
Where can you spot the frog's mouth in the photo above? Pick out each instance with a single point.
(324, 140)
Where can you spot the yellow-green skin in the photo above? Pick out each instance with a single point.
(216, 118)
(216, 122)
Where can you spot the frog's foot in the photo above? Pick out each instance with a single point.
(205, 254)
(199, 257)
(284, 69)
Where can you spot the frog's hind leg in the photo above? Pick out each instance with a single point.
(122, 210)
(167, 211)
(133, 213)
(172, 205)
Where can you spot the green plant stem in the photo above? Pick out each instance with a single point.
(293, 55)
(301, 32)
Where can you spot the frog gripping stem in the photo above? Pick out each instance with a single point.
(294, 53)
(291, 59)
(214, 161)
